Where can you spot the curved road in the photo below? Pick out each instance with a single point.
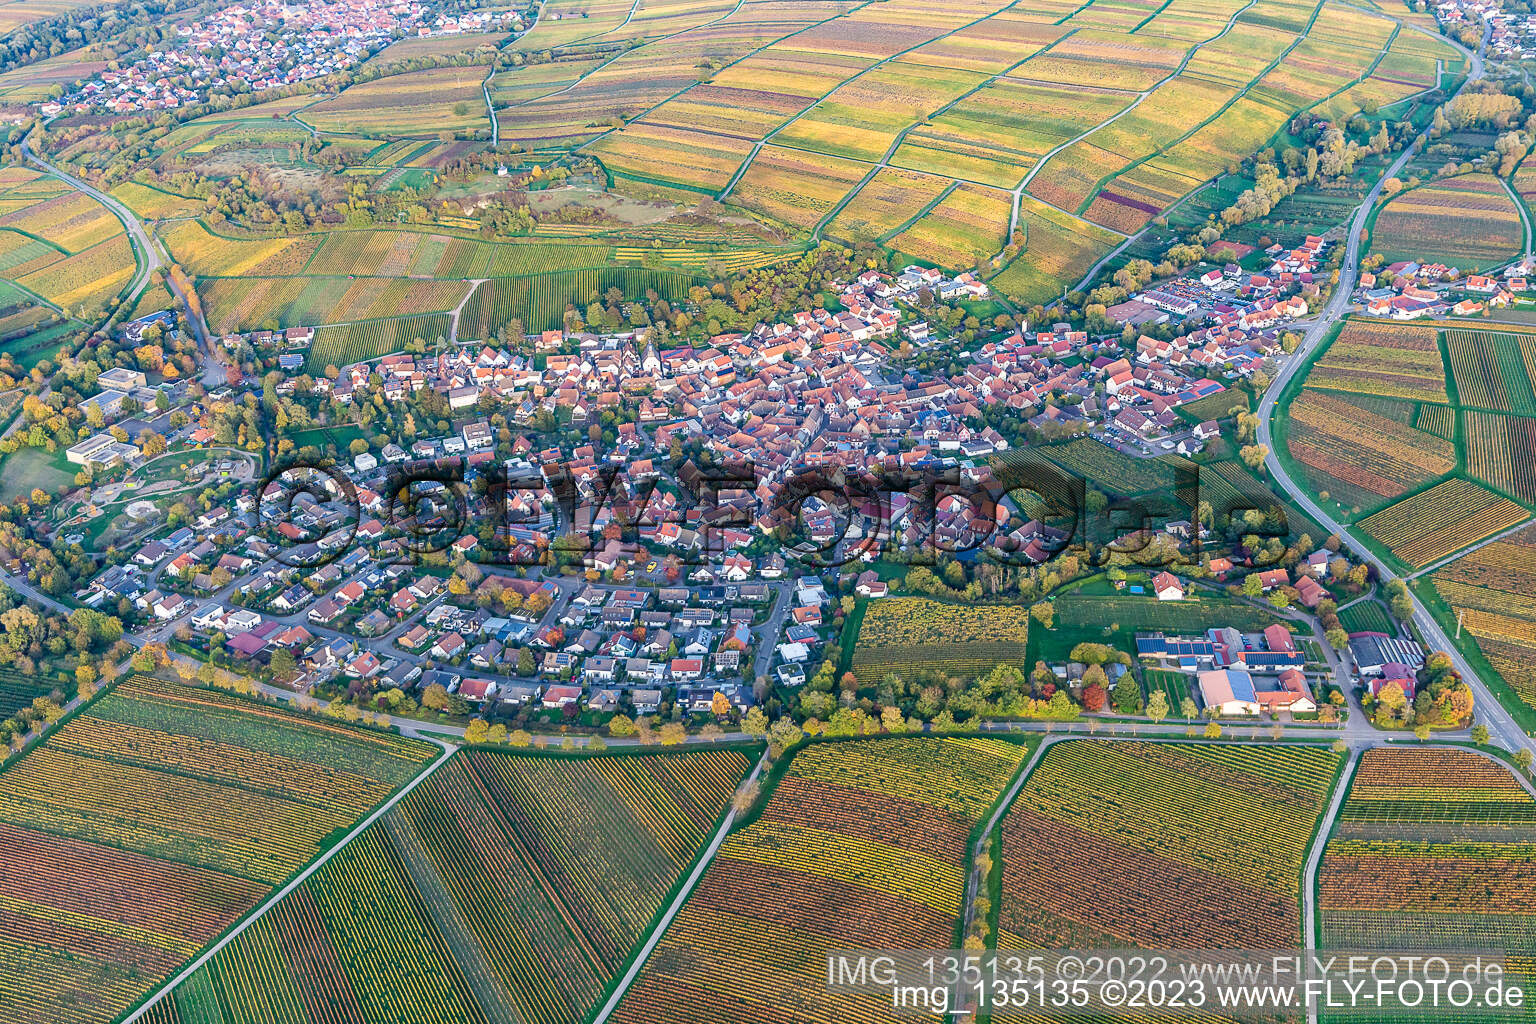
(136, 233)
(1501, 725)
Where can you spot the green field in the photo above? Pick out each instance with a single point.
(28, 468)
(1367, 616)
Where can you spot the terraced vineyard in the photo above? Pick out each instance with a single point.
(1107, 844)
(862, 845)
(1024, 141)
(152, 822)
(504, 887)
(1432, 852)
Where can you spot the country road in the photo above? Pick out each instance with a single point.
(150, 259)
(1501, 725)
(1309, 928)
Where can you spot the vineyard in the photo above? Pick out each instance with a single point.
(923, 120)
(1493, 370)
(414, 103)
(504, 887)
(18, 691)
(248, 303)
(906, 634)
(539, 301)
(1106, 469)
(1440, 521)
(1499, 451)
(149, 824)
(350, 343)
(1231, 824)
(1432, 852)
(1358, 455)
(61, 244)
(1492, 590)
(1468, 222)
(1373, 357)
(862, 845)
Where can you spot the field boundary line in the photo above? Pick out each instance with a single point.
(1301, 37)
(1311, 937)
(768, 139)
(648, 42)
(900, 138)
(261, 909)
(665, 920)
(974, 880)
(1525, 215)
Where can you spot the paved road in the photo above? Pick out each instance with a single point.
(769, 633)
(1315, 860)
(1501, 725)
(150, 259)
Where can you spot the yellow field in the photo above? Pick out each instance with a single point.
(205, 254)
(417, 102)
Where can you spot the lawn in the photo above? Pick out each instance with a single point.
(1096, 614)
(27, 468)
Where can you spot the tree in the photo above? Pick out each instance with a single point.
(520, 738)
(1188, 708)
(621, 725)
(1480, 734)
(1127, 695)
(283, 664)
(1044, 613)
(1523, 759)
(783, 734)
(434, 697)
(719, 705)
(525, 665)
(673, 733)
(754, 723)
(1094, 697)
(1213, 730)
(1253, 455)
(476, 731)
(85, 682)
(1157, 706)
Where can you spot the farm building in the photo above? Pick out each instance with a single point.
(1229, 691)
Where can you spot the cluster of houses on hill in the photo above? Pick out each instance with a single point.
(1512, 34)
(261, 44)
